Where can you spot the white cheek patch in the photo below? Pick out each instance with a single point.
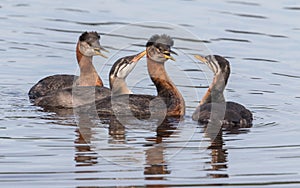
(85, 49)
(125, 69)
(214, 66)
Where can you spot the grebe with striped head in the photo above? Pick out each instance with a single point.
(234, 114)
(119, 72)
(168, 100)
(87, 46)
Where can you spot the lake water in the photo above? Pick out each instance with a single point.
(47, 149)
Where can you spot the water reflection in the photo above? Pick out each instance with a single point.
(218, 155)
(84, 155)
(155, 166)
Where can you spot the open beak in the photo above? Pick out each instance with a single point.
(172, 52)
(167, 54)
(139, 56)
(98, 51)
(201, 58)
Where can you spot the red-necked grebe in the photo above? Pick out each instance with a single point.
(56, 90)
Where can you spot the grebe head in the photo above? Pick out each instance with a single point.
(120, 70)
(89, 44)
(216, 63)
(158, 48)
(123, 66)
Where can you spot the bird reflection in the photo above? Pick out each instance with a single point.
(156, 167)
(219, 161)
(218, 155)
(84, 155)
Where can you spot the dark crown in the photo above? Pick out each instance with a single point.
(89, 36)
(163, 39)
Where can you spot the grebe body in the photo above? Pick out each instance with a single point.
(50, 84)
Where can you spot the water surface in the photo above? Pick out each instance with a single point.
(260, 39)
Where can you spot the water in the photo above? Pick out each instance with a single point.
(260, 39)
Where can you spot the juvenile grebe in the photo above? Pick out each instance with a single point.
(88, 45)
(168, 100)
(119, 72)
(234, 114)
(54, 91)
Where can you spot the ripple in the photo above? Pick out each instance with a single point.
(191, 40)
(262, 91)
(260, 59)
(18, 48)
(292, 8)
(255, 33)
(231, 39)
(22, 5)
(61, 30)
(285, 75)
(252, 16)
(87, 23)
(245, 15)
(72, 10)
(244, 3)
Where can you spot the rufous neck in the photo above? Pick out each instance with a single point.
(215, 92)
(88, 74)
(166, 88)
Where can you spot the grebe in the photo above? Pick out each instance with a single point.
(78, 95)
(168, 102)
(87, 46)
(54, 91)
(233, 114)
(119, 72)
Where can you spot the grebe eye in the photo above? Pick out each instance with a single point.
(163, 51)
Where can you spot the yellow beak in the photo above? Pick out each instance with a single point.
(201, 58)
(169, 57)
(98, 52)
(139, 56)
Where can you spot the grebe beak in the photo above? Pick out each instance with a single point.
(139, 56)
(201, 58)
(103, 49)
(172, 52)
(98, 51)
(168, 56)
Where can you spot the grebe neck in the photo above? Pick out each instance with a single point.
(88, 74)
(166, 88)
(215, 92)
